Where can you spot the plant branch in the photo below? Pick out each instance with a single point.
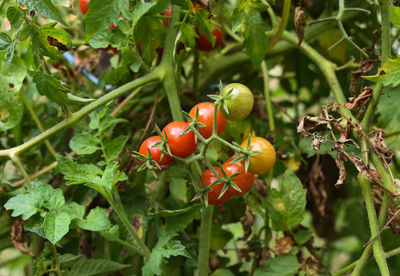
(268, 104)
(282, 24)
(155, 75)
(373, 223)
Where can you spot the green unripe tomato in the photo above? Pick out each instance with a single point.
(239, 102)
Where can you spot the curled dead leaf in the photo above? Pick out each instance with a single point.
(284, 245)
(361, 100)
(299, 18)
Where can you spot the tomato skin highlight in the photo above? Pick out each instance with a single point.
(239, 102)
(203, 44)
(263, 162)
(206, 116)
(244, 180)
(209, 177)
(181, 146)
(155, 151)
(83, 6)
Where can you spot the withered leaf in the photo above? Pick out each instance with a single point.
(363, 168)
(284, 245)
(380, 146)
(340, 159)
(360, 100)
(365, 67)
(312, 123)
(317, 141)
(299, 18)
(317, 180)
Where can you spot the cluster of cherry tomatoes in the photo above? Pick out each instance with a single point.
(179, 140)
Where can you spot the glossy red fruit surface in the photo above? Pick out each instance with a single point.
(148, 144)
(206, 117)
(203, 44)
(181, 146)
(209, 177)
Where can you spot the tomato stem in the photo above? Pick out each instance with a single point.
(205, 234)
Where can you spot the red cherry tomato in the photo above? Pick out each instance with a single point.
(209, 177)
(244, 180)
(181, 146)
(155, 151)
(166, 21)
(83, 6)
(203, 44)
(206, 116)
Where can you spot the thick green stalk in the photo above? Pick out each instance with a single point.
(204, 247)
(155, 75)
(373, 224)
(359, 265)
(282, 25)
(167, 66)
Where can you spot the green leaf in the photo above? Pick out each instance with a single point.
(101, 13)
(10, 53)
(84, 143)
(395, 16)
(205, 25)
(178, 219)
(302, 236)
(91, 267)
(51, 199)
(283, 265)
(140, 9)
(109, 122)
(222, 272)
(5, 41)
(23, 204)
(252, 27)
(112, 234)
(178, 188)
(76, 173)
(188, 34)
(74, 210)
(112, 175)
(165, 248)
(389, 116)
(35, 225)
(286, 206)
(101, 39)
(11, 79)
(56, 226)
(41, 195)
(13, 15)
(52, 88)
(388, 73)
(50, 41)
(114, 147)
(96, 220)
(45, 8)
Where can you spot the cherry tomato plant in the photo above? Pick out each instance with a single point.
(215, 138)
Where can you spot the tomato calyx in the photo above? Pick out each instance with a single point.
(148, 161)
(245, 153)
(194, 125)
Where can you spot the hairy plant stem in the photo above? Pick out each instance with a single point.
(205, 233)
(17, 161)
(374, 228)
(282, 25)
(167, 66)
(115, 201)
(55, 254)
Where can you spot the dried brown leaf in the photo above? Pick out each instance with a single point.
(340, 159)
(380, 146)
(284, 245)
(247, 222)
(363, 168)
(359, 101)
(17, 238)
(365, 67)
(317, 188)
(313, 123)
(299, 18)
